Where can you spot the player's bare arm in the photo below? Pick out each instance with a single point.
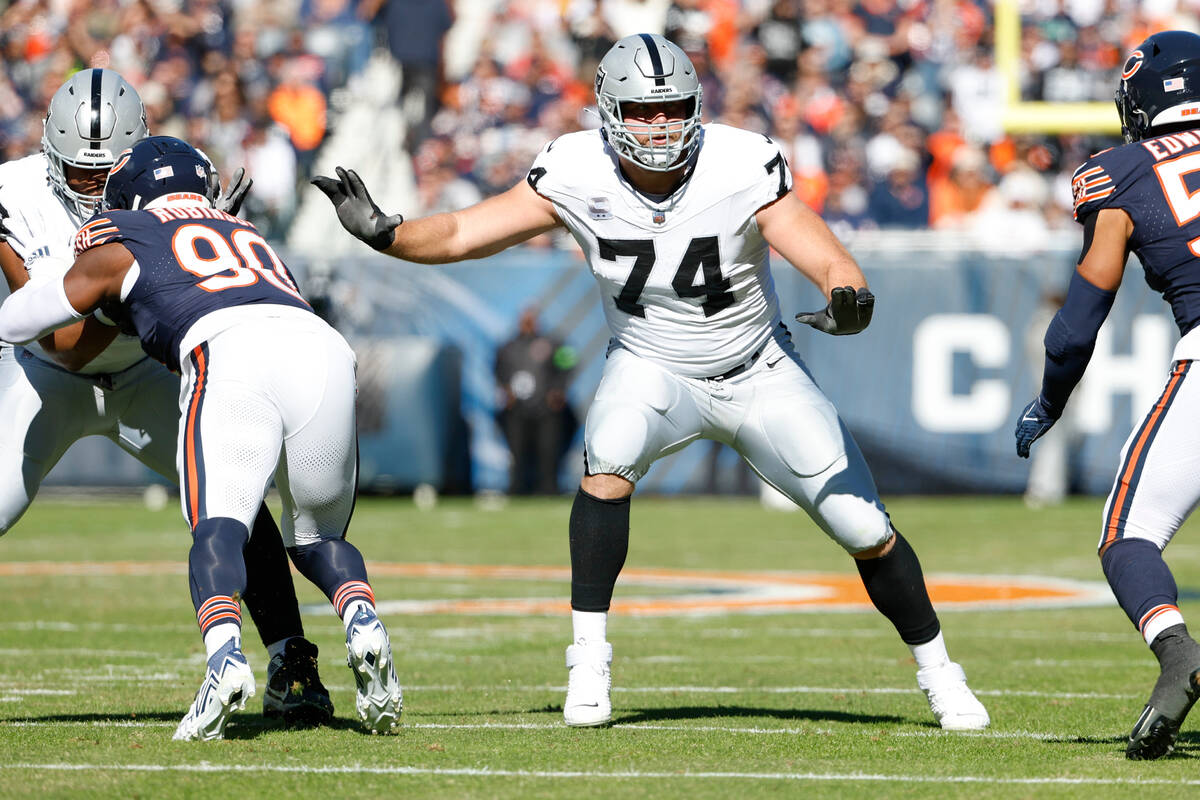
(1105, 248)
(483, 229)
(70, 347)
(803, 238)
(37, 309)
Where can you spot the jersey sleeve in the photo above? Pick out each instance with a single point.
(548, 171)
(1103, 181)
(103, 229)
(776, 180)
(756, 163)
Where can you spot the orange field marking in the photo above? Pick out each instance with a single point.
(696, 591)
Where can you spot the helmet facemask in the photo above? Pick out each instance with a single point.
(92, 117)
(648, 69)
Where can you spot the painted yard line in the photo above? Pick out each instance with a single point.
(776, 690)
(484, 772)
(849, 690)
(558, 726)
(75, 651)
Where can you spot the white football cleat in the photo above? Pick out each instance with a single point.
(953, 703)
(589, 684)
(369, 656)
(226, 688)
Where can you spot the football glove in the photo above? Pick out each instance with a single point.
(231, 201)
(848, 312)
(356, 210)
(1033, 423)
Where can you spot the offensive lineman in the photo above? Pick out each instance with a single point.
(1141, 197)
(118, 392)
(268, 391)
(675, 220)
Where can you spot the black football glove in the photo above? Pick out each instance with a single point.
(356, 210)
(848, 312)
(231, 201)
(1033, 423)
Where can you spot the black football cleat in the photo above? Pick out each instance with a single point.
(1154, 733)
(294, 689)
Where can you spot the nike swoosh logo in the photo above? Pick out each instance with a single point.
(771, 364)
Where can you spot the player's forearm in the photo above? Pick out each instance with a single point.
(1070, 340)
(428, 240)
(75, 345)
(34, 310)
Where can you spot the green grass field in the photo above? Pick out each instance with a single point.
(96, 668)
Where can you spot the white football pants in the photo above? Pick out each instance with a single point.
(773, 414)
(270, 396)
(1158, 482)
(46, 409)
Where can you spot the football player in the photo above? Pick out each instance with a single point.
(268, 391)
(1141, 197)
(675, 219)
(117, 391)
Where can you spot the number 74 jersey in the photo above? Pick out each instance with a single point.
(684, 279)
(189, 261)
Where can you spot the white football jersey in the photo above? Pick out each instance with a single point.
(685, 281)
(38, 227)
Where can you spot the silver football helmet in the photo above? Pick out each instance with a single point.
(646, 68)
(92, 118)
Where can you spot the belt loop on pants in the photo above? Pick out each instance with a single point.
(738, 370)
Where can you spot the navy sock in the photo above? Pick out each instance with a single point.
(216, 571)
(599, 536)
(329, 564)
(1140, 579)
(896, 586)
(270, 594)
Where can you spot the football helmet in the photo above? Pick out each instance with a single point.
(157, 166)
(646, 68)
(92, 117)
(1160, 86)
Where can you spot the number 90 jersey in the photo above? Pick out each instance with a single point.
(685, 279)
(188, 262)
(1157, 183)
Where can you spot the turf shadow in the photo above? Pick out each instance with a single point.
(716, 712)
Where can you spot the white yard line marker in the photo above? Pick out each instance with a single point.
(484, 772)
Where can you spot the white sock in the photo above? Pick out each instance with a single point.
(351, 609)
(218, 635)
(590, 626)
(276, 648)
(932, 653)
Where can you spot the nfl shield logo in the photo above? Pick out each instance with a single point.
(659, 217)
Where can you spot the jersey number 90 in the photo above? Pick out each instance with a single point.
(235, 261)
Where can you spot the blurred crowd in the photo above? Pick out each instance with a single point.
(247, 82)
(888, 110)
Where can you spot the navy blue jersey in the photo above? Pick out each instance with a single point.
(1157, 183)
(191, 261)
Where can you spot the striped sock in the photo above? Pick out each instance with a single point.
(220, 619)
(351, 596)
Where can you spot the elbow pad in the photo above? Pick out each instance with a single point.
(34, 310)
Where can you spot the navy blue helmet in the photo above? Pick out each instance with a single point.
(157, 166)
(1159, 90)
